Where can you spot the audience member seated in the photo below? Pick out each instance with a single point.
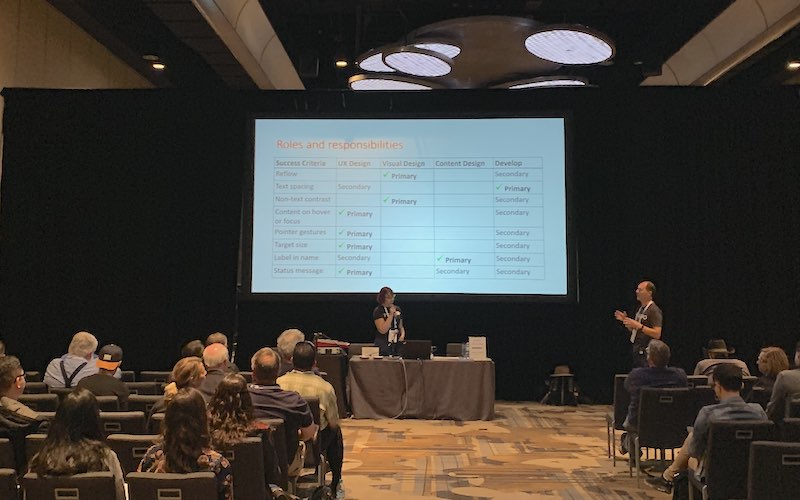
(215, 357)
(655, 374)
(79, 362)
(103, 382)
(231, 413)
(270, 401)
(717, 354)
(12, 385)
(192, 348)
(727, 383)
(185, 444)
(286, 342)
(221, 338)
(771, 361)
(304, 382)
(74, 443)
(786, 388)
(188, 372)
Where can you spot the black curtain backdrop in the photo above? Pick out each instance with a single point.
(121, 215)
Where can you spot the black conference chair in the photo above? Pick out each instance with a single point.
(35, 388)
(248, 376)
(663, 419)
(130, 448)
(727, 457)
(61, 391)
(616, 417)
(790, 430)
(696, 380)
(143, 402)
(7, 460)
(33, 376)
(33, 444)
(701, 395)
(247, 460)
(278, 433)
(154, 376)
(80, 486)
(155, 486)
(154, 424)
(759, 395)
(108, 403)
(122, 422)
(8, 484)
(40, 402)
(793, 408)
(145, 388)
(127, 376)
(774, 471)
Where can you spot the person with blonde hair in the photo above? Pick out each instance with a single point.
(79, 362)
(771, 361)
(187, 373)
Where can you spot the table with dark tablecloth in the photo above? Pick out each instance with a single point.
(448, 388)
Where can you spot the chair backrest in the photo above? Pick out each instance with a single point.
(40, 402)
(127, 376)
(7, 460)
(108, 403)
(143, 402)
(33, 376)
(89, 486)
(701, 395)
(122, 422)
(248, 376)
(313, 451)
(154, 376)
(144, 387)
(622, 399)
(8, 484)
(759, 395)
(278, 429)
(663, 417)
(695, 380)
(154, 424)
(33, 444)
(790, 430)
(247, 461)
(747, 386)
(727, 455)
(130, 448)
(165, 486)
(61, 391)
(774, 470)
(35, 388)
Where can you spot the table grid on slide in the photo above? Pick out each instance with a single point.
(431, 218)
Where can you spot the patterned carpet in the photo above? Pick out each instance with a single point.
(530, 451)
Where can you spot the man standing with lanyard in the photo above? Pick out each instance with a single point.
(645, 325)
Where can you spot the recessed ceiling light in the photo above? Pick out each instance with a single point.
(341, 63)
(569, 45)
(375, 63)
(446, 49)
(159, 66)
(386, 82)
(793, 65)
(418, 62)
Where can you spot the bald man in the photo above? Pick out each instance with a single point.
(643, 327)
(215, 357)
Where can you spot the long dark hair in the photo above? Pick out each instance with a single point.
(74, 443)
(231, 412)
(185, 431)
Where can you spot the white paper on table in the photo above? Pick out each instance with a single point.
(477, 348)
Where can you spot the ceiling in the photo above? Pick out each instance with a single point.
(312, 32)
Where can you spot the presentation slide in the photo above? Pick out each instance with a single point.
(431, 206)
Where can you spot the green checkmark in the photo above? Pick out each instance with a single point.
(340, 232)
(340, 270)
(341, 211)
(341, 244)
(386, 199)
(385, 174)
(499, 186)
(439, 257)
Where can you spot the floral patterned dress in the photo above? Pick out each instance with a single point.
(156, 461)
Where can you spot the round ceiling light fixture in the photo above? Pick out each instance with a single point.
(387, 82)
(446, 49)
(544, 82)
(418, 62)
(373, 61)
(570, 45)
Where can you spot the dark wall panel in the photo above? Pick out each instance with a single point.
(120, 215)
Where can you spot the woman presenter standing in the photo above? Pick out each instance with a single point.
(388, 323)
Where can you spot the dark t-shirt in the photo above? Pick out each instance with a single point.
(650, 317)
(651, 377)
(100, 384)
(270, 401)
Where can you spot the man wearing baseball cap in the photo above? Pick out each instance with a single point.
(103, 382)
